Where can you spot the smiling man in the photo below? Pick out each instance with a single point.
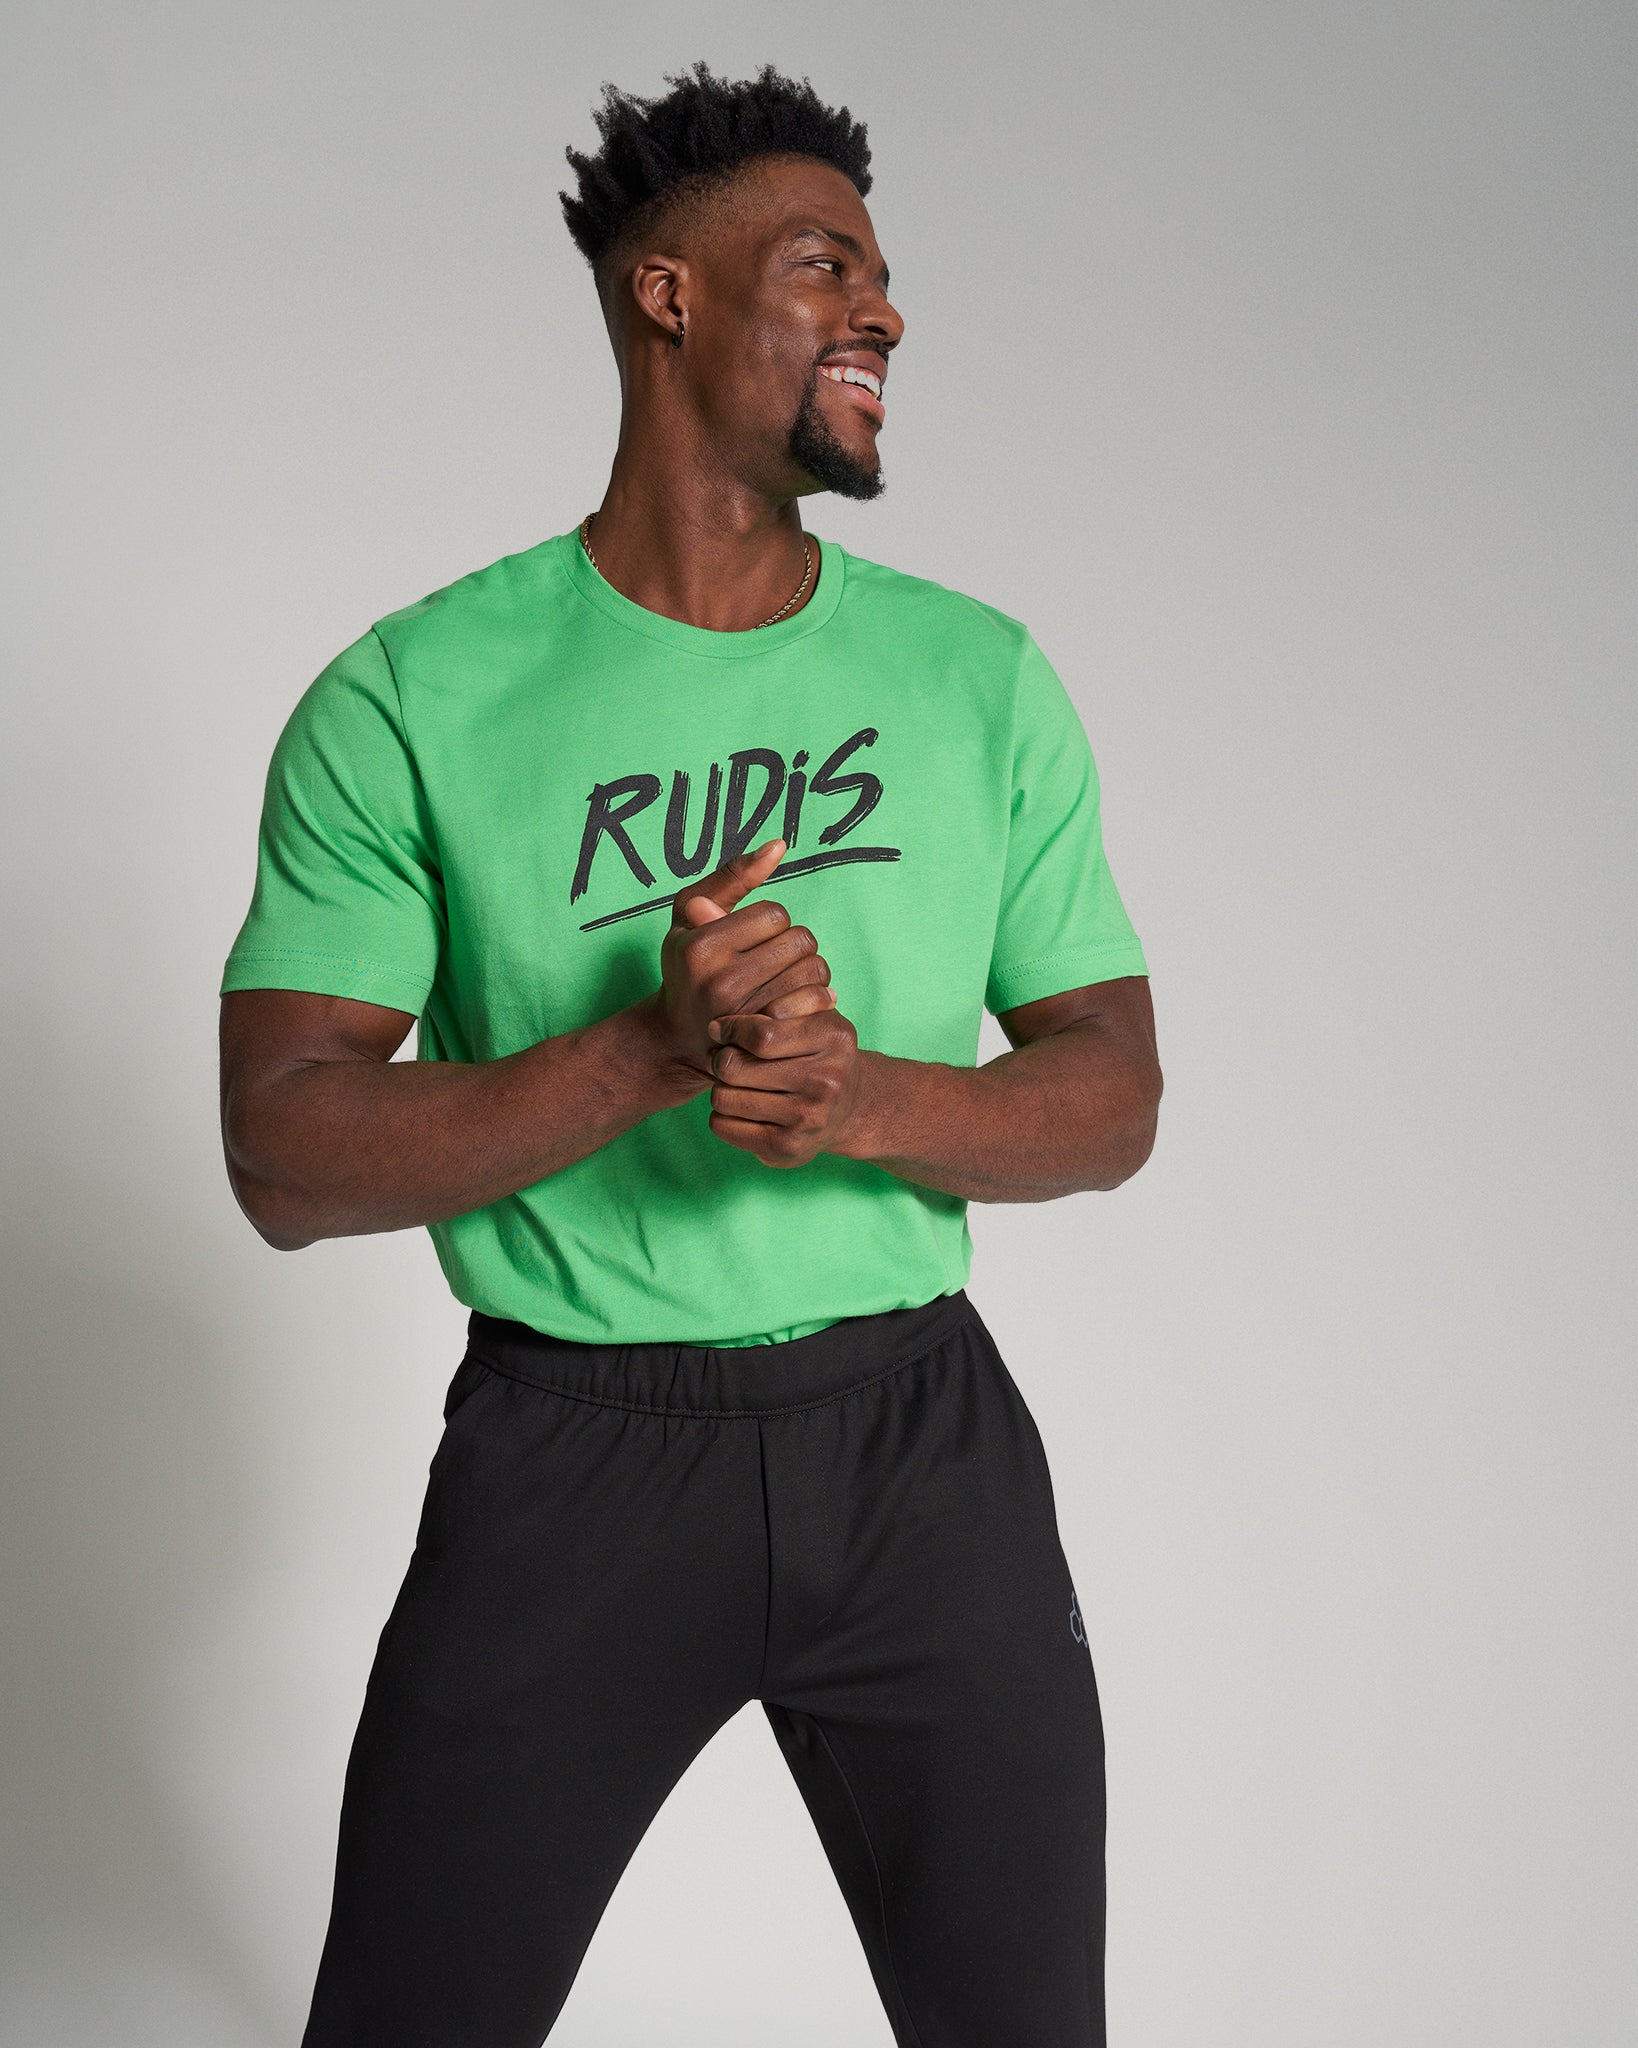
(728, 1427)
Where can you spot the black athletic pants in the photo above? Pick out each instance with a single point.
(621, 1545)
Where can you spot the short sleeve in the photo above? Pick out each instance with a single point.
(1061, 923)
(348, 898)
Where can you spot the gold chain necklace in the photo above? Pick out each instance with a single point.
(794, 599)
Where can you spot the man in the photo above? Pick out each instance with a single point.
(728, 1426)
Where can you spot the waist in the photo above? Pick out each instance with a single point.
(703, 1379)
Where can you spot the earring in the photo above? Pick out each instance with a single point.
(677, 338)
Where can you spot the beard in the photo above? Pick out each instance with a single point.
(823, 456)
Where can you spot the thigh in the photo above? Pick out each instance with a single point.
(943, 1723)
(583, 1609)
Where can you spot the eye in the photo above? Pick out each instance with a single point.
(829, 263)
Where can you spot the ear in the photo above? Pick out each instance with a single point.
(661, 287)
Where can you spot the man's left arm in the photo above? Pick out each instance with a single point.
(1072, 1106)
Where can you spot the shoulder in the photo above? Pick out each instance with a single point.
(354, 708)
(349, 709)
(918, 602)
(978, 647)
(485, 605)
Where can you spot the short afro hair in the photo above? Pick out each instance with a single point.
(695, 136)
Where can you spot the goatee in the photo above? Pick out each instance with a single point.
(822, 455)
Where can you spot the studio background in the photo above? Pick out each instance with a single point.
(1272, 363)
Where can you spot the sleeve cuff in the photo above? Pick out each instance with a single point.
(329, 974)
(1049, 974)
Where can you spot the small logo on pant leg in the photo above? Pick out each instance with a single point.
(1077, 1627)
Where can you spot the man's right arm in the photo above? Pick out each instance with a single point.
(326, 1135)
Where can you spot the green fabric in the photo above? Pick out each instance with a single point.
(431, 841)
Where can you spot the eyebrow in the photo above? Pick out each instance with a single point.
(848, 242)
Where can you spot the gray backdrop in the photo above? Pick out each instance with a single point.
(1271, 362)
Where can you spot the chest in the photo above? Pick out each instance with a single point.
(566, 822)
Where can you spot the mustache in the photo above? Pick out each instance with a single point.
(833, 349)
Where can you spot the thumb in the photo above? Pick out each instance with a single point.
(719, 891)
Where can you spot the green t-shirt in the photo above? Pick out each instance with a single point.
(480, 811)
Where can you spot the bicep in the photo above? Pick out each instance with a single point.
(267, 1032)
(348, 901)
(269, 1036)
(1121, 1008)
(1059, 918)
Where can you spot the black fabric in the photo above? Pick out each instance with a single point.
(623, 1544)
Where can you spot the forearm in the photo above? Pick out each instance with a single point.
(1072, 1111)
(340, 1147)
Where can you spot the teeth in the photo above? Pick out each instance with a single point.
(848, 375)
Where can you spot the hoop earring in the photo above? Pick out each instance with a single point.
(677, 338)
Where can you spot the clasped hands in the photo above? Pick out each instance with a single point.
(745, 1003)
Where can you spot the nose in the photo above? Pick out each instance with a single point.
(877, 316)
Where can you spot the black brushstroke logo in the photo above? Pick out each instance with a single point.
(731, 819)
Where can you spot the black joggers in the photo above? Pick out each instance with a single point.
(623, 1544)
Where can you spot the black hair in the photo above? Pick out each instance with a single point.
(694, 136)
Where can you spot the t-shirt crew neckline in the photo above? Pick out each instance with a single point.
(598, 591)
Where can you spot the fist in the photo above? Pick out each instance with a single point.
(787, 1087)
(722, 956)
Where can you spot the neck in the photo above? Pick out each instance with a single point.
(680, 537)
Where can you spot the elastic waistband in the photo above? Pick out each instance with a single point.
(701, 1379)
